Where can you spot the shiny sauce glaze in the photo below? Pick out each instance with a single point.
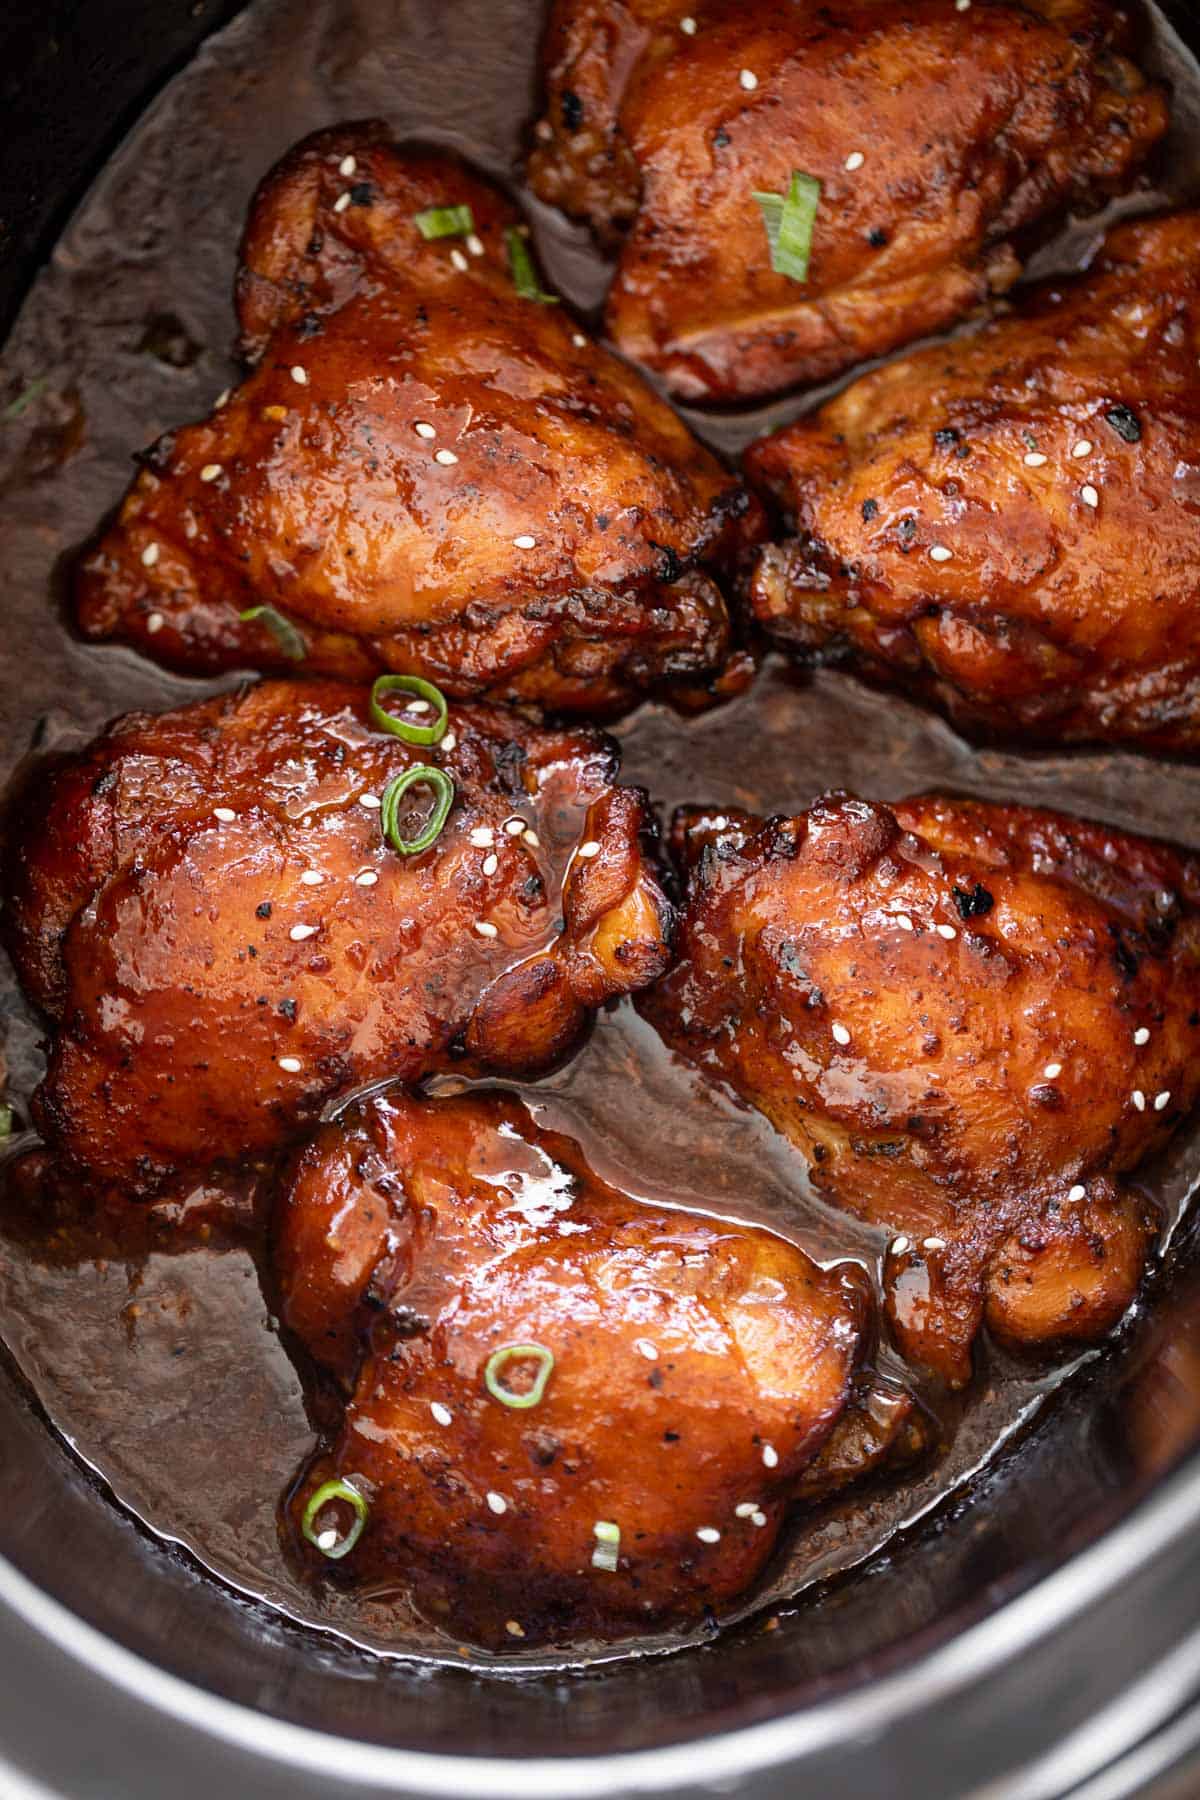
(148, 1335)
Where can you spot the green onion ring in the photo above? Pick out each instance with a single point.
(523, 271)
(394, 792)
(500, 1359)
(402, 728)
(335, 1490)
(290, 640)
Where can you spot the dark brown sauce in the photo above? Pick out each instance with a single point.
(147, 1337)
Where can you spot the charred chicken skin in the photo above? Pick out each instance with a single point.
(205, 905)
(1008, 524)
(973, 1020)
(633, 1461)
(935, 135)
(425, 471)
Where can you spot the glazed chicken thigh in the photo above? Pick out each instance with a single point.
(1008, 524)
(205, 905)
(569, 1412)
(936, 131)
(973, 1020)
(427, 470)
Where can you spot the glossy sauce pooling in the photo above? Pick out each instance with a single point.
(172, 1378)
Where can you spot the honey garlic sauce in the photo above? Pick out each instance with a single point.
(173, 1381)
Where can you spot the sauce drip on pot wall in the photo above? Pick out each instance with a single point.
(157, 1359)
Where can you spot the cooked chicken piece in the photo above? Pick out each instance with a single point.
(935, 134)
(425, 470)
(1008, 524)
(205, 905)
(677, 1378)
(973, 1020)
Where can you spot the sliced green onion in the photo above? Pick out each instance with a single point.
(6, 1122)
(444, 221)
(789, 221)
(499, 1360)
(608, 1545)
(395, 791)
(289, 639)
(334, 1490)
(404, 728)
(524, 274)
(25, 399)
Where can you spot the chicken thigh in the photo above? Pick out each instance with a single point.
(973, 1020)
(935, 131)
(1009, 524)
(429, 469)
(206, 906)
(570, 1413)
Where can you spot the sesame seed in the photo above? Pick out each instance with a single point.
(292, 1064)
(210, 471)
(347, 166)
(312, 878)
(514, 827)
(149, 556)
(445, 457)
(418, 706)
(708, 1534)
(370, 801)
(1052, 1071)
(424, 429)
(513, 1629)
(491, 864)
(525, 542)
(933, 1243)
(1161, 1100)
(326, 1539)
(962, 5)
(904, 922)
(745, 1509)
(368, 878)
(442, 1414)
(532, 839)
(483, 837)
(748, 79)
(448, 741)
(688, 26)
(342, 202)
(1034, 459)
(840, 1034)
(946, 931)
(645, 1348)
(226, 814)
(578, 339)
(770, 1456)
(900, 1245)
(1139, 1099)
(1077, 1192)
(298, 933)
(155, 622)
(1089, 496)
(485, 929)
(299, 375)
(940, 553)
(855, 160)
(221, 399)
(497, 1502)
(758, 1519)
(1141, 1035)
(475, 245)
(1165, 901)
(1082, 448)
(459, 260)
(588, 850)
